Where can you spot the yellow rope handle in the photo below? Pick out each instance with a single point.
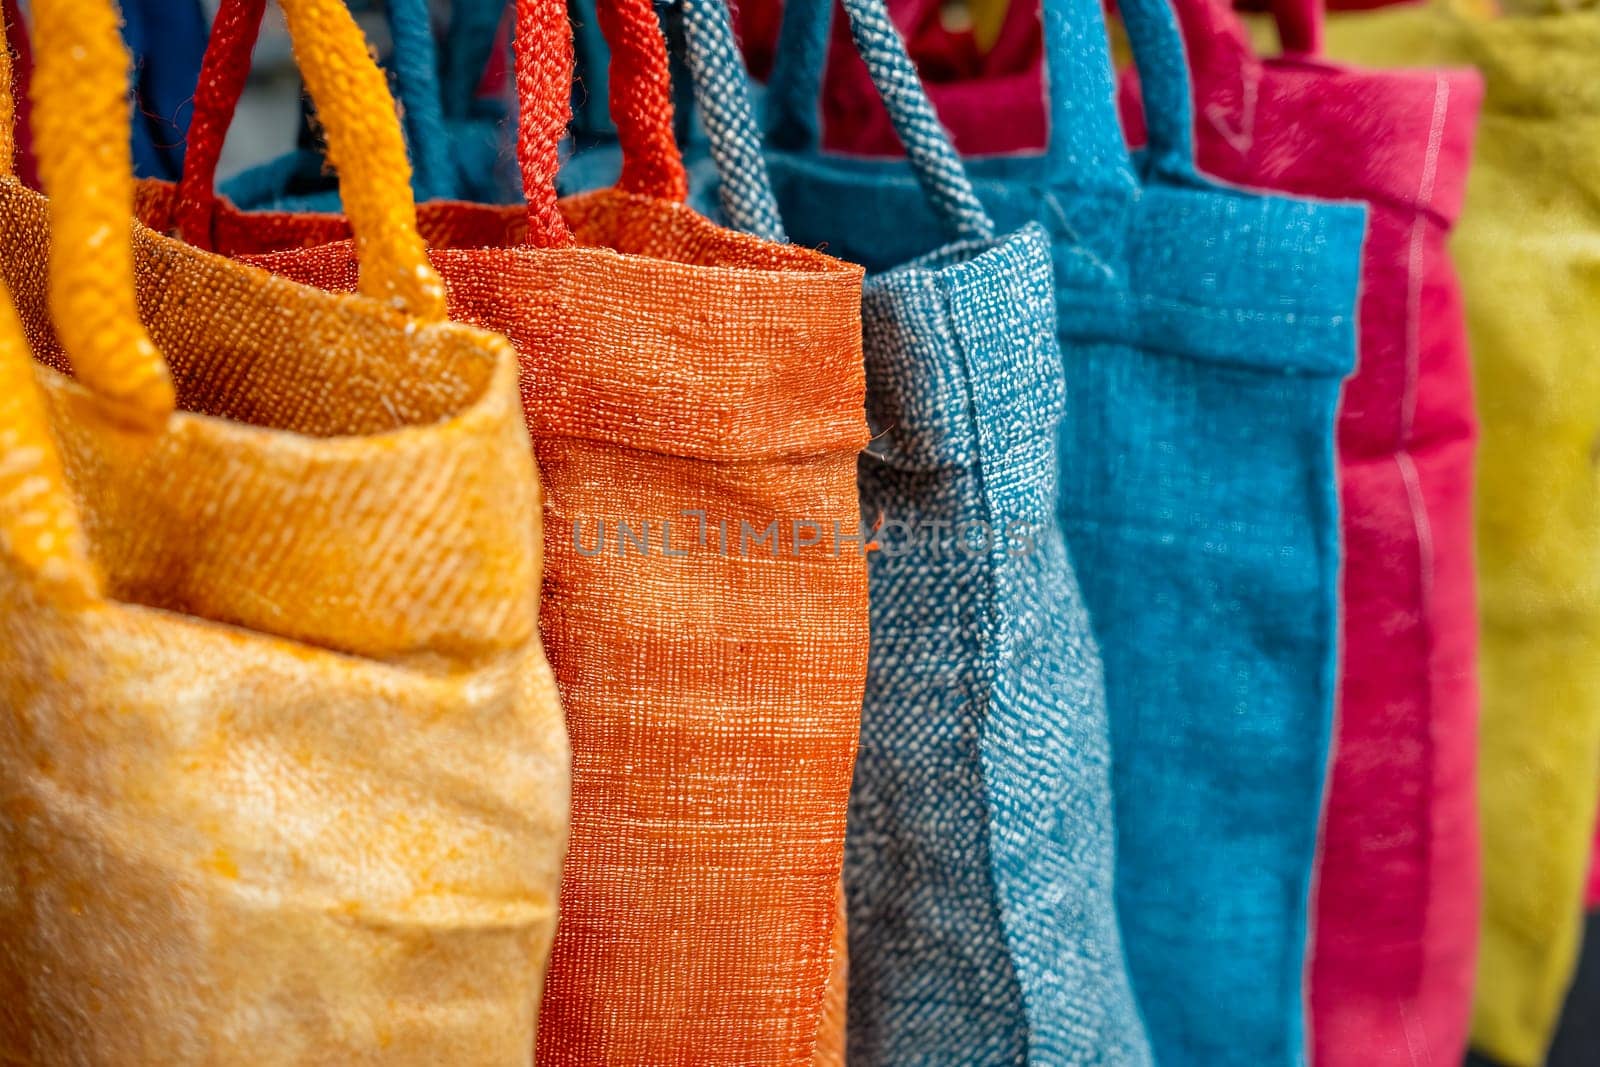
(367, 148)
(39, 531)
(81, 136)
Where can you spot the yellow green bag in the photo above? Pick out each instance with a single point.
(1528, 251)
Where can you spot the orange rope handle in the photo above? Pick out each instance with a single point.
(367, 148)
(40, 534)
(82, 135)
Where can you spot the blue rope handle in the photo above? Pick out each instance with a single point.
(468, 44)
(722, 95)
(1167, 89)
(416, 71)
(1086, 147)
(795, 84)
(933, 157)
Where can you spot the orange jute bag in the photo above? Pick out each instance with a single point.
(695, 399)
(283, 775)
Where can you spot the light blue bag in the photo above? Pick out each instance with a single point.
(456, 141)
(978, 862)
(1205, 332)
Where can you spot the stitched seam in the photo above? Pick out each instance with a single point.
(1421, 525)
(990, 675)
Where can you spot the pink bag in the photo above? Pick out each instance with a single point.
(1592, 897)
(967, 87)
(1398, 882)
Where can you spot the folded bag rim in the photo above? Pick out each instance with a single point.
(732, 275)
(209, 827)
(488, 371)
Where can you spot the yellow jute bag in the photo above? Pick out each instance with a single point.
(283, 775)
(1528, 251)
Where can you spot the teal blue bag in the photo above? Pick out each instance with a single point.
(1205, 332)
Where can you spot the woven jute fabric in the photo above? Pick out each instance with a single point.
(1396, 923)
(979, 859)
(979, 854)
(1531, 299)
(286, 781)
(1204, 332)
(695, 399)
(714, 698)
(302, 778)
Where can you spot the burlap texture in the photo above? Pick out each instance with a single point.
(1531, 283)
(714, 699)
(296, 793)
(670, 369)
(287, 783)
(1398, 874)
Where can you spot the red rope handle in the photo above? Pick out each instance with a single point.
(641, 105)
(22, 162)
(544, 108)
(223, 72)
(641, 101)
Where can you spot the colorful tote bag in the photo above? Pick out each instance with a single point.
(1396, 925)
(979, 856)
(695, 398)
(1205, 332)
(269, 572)
(1532, 292)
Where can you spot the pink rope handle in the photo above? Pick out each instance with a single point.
(1224, 65)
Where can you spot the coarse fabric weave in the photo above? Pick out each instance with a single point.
(979, 856)
(1205, 331)
(720, 90)
(282, 766)
(1397, 890)
(696, 403)
(1532, 288)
